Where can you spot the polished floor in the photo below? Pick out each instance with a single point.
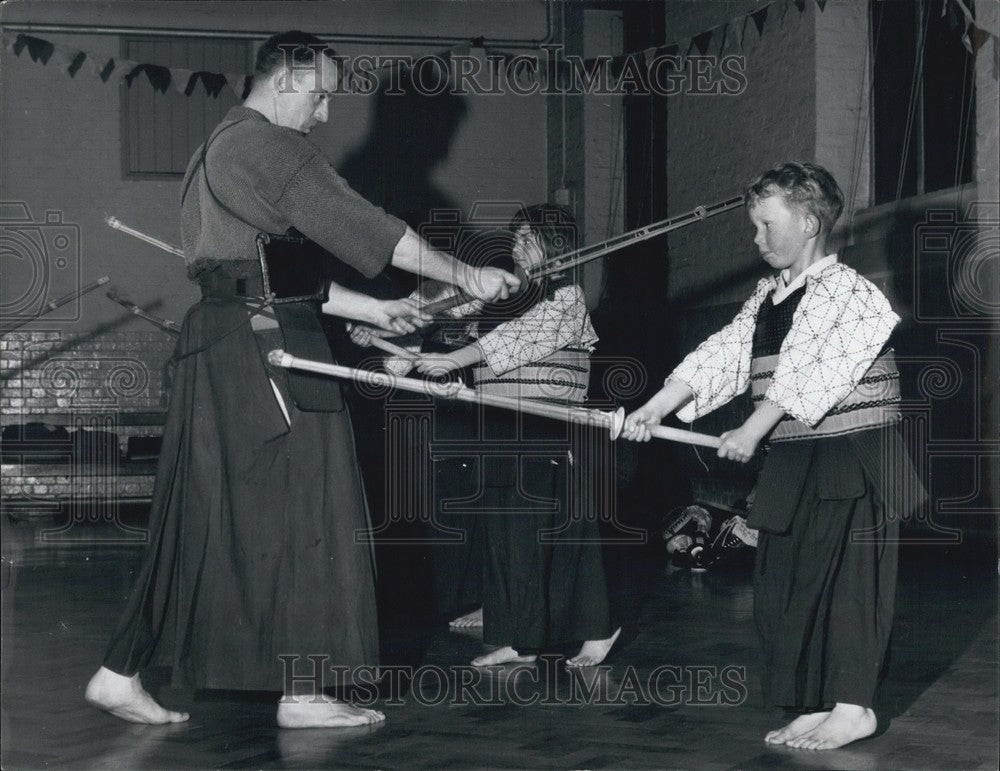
(681, 692)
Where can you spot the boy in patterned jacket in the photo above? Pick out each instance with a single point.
(810, 343)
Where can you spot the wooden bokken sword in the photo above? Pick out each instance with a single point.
(613, 421)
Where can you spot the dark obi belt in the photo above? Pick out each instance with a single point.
(289, 283)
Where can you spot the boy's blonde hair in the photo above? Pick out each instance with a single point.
(806, 186)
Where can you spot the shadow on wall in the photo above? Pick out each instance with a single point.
(411, 134)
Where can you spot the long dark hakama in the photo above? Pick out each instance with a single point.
(253, 553)
(825, 578)
(543, 581)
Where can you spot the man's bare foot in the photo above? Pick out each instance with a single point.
(125, 697)
(593, 652)
(468, 621)
(846, 723)
(797, 727)
(506, 655)
(323, 712)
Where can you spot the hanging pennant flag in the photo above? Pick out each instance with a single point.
(235, 81)
(107, 70)
(801, 5)
(759, 17)
(821, 4)
(701, 41)
(159, 77)
(977, 38)
(76, 63)
(38, 49)
(214, 82)
(181, 78)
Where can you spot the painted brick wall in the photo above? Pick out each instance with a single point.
(52, 373)
(82, 384)
(717, 143)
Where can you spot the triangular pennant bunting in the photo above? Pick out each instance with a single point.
(40, 50)
(107, 70)
(76, 63)
(978, 38)
(701, 41)
(235, 83)
(214, 82)
(180, 78)
(159, 77)
(759, 17)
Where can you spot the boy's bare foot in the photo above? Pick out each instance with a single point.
(125, 697)
(468, 621)
(797, 727)
(845, 724)
(323, 712)
(593, 652)
(505, 655)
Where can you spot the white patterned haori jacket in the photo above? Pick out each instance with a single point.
(542, 354)
(838, 330)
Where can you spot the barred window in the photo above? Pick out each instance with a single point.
(162, 129)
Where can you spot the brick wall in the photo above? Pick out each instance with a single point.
(717, 143)
(113, 383)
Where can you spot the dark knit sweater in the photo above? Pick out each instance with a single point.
(274, 178)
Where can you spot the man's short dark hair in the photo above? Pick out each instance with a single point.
(288, 48)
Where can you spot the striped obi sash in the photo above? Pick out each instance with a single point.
(873, 402)
(562, 376)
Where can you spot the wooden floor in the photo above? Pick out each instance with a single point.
(939, 702)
